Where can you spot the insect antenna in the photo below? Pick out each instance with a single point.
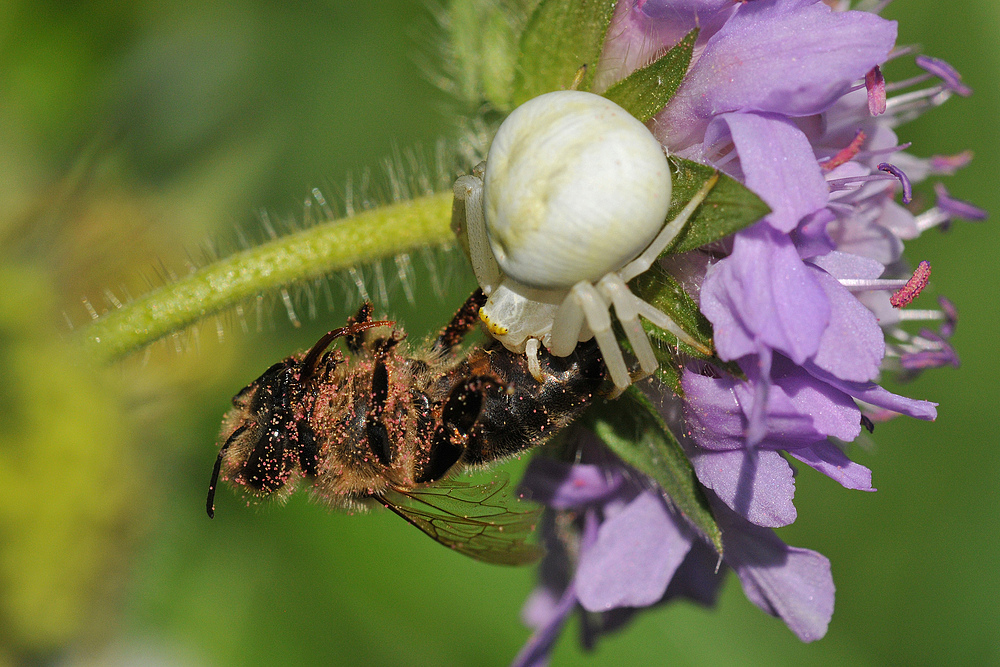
(210, 503)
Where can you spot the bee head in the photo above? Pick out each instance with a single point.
(267, 437)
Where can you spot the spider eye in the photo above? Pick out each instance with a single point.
(575, 187)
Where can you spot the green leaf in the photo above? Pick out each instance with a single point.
(729, 207)
(634, 430)
(669, 373)
(665, 293)
(644, 92)
(560, 38)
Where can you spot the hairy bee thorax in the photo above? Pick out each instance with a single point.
(377, 421)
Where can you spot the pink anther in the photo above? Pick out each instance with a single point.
(875, 83)
(917, 282)
(845, 154)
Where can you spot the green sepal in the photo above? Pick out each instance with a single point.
(665, 293)
(669, 372)
(560, 38)
(728, 208)
(644, 92)
(633, 429)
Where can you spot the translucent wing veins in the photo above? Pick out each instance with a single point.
(479, 521)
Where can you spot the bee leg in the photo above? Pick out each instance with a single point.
(375, 431)
(355, 341)
(462, 323)
(308, 450)
(458, 417)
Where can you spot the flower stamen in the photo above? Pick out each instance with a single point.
(935, 352)
(911, 290)
(885, 151)
(957, 208)
(845, 154)
(898, 173)
(856, 182)
(947, 209)
(946, 165)
(948, 75)
(875, 84)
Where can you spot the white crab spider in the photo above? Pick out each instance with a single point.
(570, 207)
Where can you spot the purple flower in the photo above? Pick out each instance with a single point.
(788, 57)
(790, 98)
(634, 551)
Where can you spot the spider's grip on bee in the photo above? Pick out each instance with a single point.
(569, 206)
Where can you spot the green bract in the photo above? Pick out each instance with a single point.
(633, 429)
(646, 91)
(560, 38)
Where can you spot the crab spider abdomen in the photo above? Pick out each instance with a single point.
(575, 187)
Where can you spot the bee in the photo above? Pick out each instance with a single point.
(388, 425)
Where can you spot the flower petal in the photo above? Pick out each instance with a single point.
(712, 411)
(569, 486)
(777, 163)
(536, 652)
(639, 32)
(869, 392)
(794, 57)
(756, 484)
(845, 265)
(699, 578)
(634, 558)
(764, 294)
(790, 583)
(828, 459)
(831, 412)
(852, 346)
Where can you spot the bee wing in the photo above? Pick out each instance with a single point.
(479, 521)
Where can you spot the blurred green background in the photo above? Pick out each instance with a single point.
(136, 137)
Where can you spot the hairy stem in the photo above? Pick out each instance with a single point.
(339, 244)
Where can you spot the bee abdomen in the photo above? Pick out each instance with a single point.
(525, 413)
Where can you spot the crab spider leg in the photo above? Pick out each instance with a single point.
(585, 300)
(662, 320)
(642, 263)
(627, 310)
(567, 325)
(470, 190)
(531, 347)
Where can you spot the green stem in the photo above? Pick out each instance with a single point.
(332, 246)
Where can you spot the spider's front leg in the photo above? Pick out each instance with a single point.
(627, 309)
(585, 304)
(469, 189)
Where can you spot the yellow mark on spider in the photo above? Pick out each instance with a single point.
(491, 326)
